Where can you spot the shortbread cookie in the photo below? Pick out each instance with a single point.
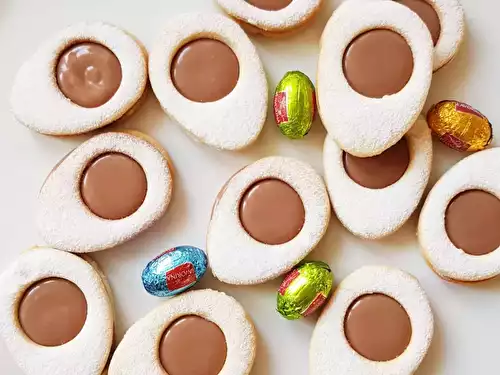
(207, 75)
(379, 321)
(271, 17)
(56, 316)
(103, 277)
(373, 197)
(199, 332)
(446, 23)
(458, 225)
(108, 190)
(374, 74)
(266, 219)
(83, 78)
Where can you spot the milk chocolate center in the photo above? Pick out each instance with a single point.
(270, 4)
(205, 70)
(428, 14)
(378, 63)
(88, 74)
(377, 327)
(473, 222)
(381, 171)
(52, 312)
(272, 212)
(113, 186)
(193, 346)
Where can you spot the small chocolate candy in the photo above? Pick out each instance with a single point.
(304, 290)
(459, 126)
(294, 104)
(174, 271)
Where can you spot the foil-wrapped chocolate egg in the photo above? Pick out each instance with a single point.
(294, 104)
(459, 126)
(174, 271)
(304, 290)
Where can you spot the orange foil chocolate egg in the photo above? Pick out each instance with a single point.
(459, 126)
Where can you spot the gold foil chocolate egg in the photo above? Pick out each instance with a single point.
(459, 126)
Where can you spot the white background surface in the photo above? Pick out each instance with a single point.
(467, 317)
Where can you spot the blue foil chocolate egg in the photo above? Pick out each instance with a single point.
(174, 271)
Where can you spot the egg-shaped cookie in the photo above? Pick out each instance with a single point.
(207, 75)
(199, 332)
(374, 74)
(266, 219)
(56, 314)
(106, 191)
(81, 79)
(378, 321)
(374, 196)
(446, 23)
(270, 17)
(458, 226)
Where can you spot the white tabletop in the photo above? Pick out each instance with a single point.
(467, 317)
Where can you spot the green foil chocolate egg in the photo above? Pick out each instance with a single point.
(294, 104)
(304, 290)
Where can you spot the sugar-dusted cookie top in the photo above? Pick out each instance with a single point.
(374, 74)
(266, 219)
(56, 314)
(378, 321)
(207, 75)
(198, 332)
(271, 17)
(106, 191)
(81, 79)
(373, 197)
(446, 23)
(458, 225)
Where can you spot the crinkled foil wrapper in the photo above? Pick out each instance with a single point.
(294, 105)
(460, 126)
(304, 290)
(174, 271)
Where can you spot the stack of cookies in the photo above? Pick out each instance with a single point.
(375, 69)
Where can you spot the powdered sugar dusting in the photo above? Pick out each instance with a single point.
(330, 352)
(138, 351)
(298, 12)
(232, 122)
(360, 125)
(38, 103)
(235, 257)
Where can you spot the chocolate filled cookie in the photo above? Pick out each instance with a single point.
(374, 196)
(207, 75)
(114, 186)
(203, 332)
(446, 23)
(458, 225)
(378, 321)
(56, 311)
(374, 74)
(265, 220)
(87, 76)
(271, 17)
